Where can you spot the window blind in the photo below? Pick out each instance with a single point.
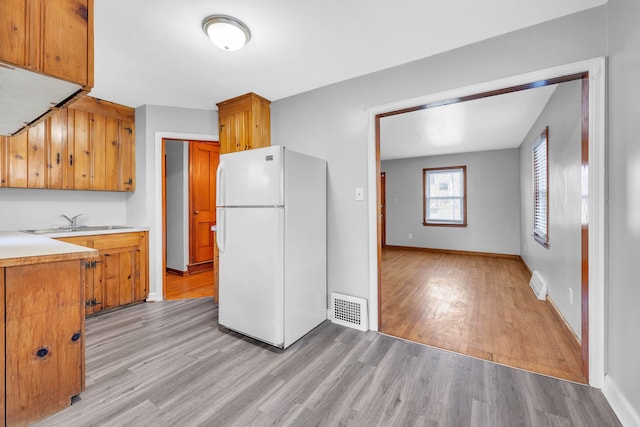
(540, 188)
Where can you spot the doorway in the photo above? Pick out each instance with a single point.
(188, 212)
(593, 203)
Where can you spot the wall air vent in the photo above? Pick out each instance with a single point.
(349, 311)
(539, 285)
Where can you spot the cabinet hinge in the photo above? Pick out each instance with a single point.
(91, 302)
(90, 264)
(130, 130)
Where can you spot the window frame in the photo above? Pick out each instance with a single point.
(425, 199)
(541, 236)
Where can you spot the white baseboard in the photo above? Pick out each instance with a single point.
(626, 413)
(152, 297)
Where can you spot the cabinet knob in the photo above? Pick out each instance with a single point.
(75, 337)
(42, 352)
(196, 212)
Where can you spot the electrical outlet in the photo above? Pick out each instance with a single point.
(410, 236)
(570, 296)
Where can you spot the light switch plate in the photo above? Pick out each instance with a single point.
(359, 193)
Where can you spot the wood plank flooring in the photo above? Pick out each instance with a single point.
(475, 305)
(195, 285)
(169, 363)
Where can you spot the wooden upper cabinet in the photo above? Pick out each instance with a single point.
(101, 144)
(88, 146)
(52, 37)
(244, 123)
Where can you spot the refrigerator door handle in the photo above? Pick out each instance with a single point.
(220, 227)
(219, 186)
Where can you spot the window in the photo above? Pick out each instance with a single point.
(540, 189)
(445, 196)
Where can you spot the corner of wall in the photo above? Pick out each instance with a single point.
(626, 413)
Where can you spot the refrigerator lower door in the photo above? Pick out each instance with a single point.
(251, 285)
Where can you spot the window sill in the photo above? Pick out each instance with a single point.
(542, 241)
(439, 224)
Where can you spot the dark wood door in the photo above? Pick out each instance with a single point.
(203, 162)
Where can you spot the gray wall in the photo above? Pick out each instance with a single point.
(493, 203)
(33, 208)
(332, 122)
(624, 200)
(560, 264)
(177, 162)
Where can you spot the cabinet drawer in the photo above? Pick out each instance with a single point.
(121, 240)
(40, 288)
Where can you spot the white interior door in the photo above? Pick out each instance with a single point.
(251, 286)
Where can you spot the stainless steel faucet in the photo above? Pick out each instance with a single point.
(73, 221)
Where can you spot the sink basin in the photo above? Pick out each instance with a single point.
(77, 228)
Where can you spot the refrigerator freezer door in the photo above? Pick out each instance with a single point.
(251, 286)
(251, 178)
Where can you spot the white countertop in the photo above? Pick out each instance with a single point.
(64, 233)
(17, 248)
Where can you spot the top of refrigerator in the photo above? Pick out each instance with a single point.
(251, 178)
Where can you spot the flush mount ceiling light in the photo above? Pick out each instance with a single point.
(226, 32)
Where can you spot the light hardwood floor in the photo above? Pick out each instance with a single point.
(169, 364)
(475, 305)
(192, 286)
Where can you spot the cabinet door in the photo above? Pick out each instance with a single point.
(36, 156)
(260, 125)
(111, 278)
(127, 158)
(14, 20)
(98, 152)
(57, 150)
(226, 145)
(79, 145)
(65, 39)
(44, 329)
(112, 154)
(139, 281)
(17, 152)
(2, 346)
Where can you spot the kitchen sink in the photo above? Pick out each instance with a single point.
(76, 228)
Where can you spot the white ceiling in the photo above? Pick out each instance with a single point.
(155, 52)
(492, 123)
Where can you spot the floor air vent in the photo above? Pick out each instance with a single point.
(349, 311)
(539, 285)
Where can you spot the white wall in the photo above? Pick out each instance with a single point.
(560, 263)
(34, 208)
(144, 206)
(177, 162)
(493, 203)
(332, 122)
(622, 386)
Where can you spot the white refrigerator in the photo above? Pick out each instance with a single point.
(271, 237)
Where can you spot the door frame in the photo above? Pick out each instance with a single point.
(595, 167)
(159, 251)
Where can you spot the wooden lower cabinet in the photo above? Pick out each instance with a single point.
(120, 275)
(44, 338)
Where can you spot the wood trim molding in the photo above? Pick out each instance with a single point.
(99, 106)
(585, 228)
(457, 252)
